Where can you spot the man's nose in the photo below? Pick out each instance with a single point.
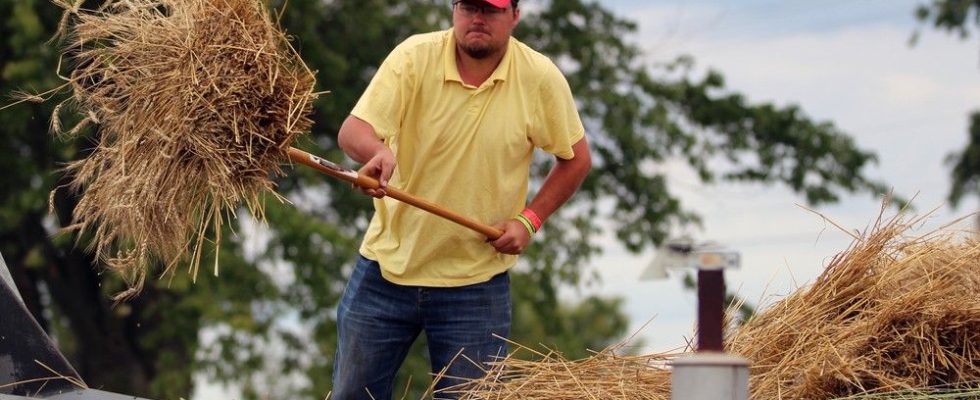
(480, 15)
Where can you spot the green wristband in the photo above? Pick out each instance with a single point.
(527, 224)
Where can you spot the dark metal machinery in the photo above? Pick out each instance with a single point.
(31, 366)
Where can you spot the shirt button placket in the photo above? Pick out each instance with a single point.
(476, 101)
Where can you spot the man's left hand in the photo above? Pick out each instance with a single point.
(515, 238)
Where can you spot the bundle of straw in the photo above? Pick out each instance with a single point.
(891, 314)
(196, 102)
(605, 375)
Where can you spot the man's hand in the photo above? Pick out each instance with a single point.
(379, 167)
(515, 238)
(359, 140)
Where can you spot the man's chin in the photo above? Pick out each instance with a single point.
(477, 52)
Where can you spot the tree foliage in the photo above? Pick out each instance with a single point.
(279, 283)
(959, 17)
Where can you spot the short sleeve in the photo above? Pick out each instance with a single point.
(557, 125)
(383, 104)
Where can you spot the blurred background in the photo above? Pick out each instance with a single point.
(719, 120)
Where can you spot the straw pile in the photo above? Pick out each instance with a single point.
(605, 375)
(891, 314)
(196, 102)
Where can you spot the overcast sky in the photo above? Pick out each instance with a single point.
(848, 62)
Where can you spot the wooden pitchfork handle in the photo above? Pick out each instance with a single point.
(349, 175)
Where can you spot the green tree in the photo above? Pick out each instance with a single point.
(958, 17)
(282, 291)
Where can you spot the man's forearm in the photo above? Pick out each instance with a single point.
(358, 139)
(563, 180)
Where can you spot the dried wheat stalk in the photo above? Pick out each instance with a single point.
(195, 103)
(607, 374)
(892, 313)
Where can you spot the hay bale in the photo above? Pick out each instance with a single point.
(890, 314)
(196, 103)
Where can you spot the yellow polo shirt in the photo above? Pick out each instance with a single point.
(463, 147)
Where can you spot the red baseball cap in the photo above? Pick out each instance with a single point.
(498, 3)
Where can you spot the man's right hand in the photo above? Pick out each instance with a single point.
(359, 140)
(379, 167)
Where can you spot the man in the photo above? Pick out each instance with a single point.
(452, 117)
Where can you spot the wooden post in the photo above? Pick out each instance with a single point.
(711, 309)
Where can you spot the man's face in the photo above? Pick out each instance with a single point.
(482, 29)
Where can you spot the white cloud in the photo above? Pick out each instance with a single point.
(904, 90)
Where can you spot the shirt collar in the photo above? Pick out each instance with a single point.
(451, 71)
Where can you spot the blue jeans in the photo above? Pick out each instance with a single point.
(377, 321)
